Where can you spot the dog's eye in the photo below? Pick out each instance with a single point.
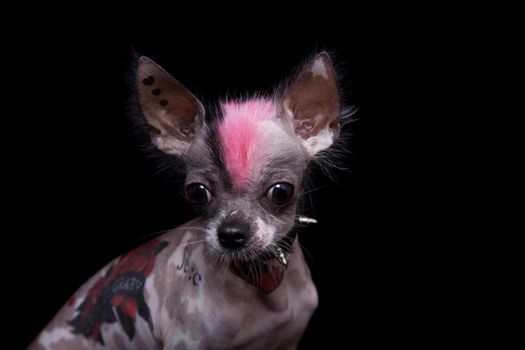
(198, 194)
(280, 193)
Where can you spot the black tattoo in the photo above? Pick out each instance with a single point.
(185, 266)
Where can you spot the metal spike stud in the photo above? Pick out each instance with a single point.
(281, 257)
(306, 220)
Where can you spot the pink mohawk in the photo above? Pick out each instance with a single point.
(242, 142)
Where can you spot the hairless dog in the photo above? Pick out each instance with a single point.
(234, 277)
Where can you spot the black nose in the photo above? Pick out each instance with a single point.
(233, 235)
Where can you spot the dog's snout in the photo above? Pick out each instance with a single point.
(233, 235)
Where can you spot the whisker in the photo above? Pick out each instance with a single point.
(311, 258)
(312, 190)
(194, 242)
(154, 234)
(158, 233)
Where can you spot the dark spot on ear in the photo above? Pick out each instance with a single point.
(156, 92)
(149, 80)
(163, 102)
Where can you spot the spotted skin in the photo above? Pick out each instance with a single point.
(149, 80)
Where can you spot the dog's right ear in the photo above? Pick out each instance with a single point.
(173, 113)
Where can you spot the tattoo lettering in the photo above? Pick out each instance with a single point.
(120, 290)
(185, 267)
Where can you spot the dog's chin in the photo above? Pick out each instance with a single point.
(242, 256)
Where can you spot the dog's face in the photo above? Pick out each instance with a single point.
(245, 168)
(248, 193)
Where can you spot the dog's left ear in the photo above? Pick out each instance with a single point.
(313, 103)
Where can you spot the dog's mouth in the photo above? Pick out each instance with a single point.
(265, 275)
(263, 268)
(266, 271)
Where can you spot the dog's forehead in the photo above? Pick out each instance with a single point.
(247, 144)
(251, 135)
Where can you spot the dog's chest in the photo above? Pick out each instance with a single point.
(226, 312)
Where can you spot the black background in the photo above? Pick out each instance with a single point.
(84, 192)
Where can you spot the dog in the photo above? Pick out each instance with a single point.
(234, 277)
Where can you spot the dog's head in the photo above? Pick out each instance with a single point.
(244, 169)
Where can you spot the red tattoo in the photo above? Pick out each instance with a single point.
(120, 290)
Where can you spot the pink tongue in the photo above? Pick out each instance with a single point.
(237, 264)
(267, 281)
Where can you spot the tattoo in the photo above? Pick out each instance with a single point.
(120, 290)
(185, 267)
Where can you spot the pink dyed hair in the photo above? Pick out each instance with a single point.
(240, 136)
